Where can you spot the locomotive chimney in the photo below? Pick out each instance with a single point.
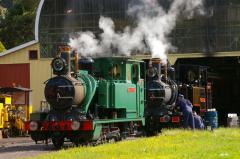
(66, 54)
(156, 62)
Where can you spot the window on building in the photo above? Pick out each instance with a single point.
(33, 55)
(61, 18)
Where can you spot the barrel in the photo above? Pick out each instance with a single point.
(233, 121)
(211, 119)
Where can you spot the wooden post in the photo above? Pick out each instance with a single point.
(1, 134)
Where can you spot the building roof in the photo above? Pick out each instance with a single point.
(14, 89)
(37, 19)
(18, 48)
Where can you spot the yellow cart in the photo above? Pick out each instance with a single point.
(15, 110)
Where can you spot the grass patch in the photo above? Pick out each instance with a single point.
(223, 143)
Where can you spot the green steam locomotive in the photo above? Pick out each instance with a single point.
(104, 99)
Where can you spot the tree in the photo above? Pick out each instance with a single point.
(2, 48)
(18, 25)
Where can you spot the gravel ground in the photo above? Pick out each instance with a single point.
(22, 147)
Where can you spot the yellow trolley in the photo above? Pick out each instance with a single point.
(15, 110)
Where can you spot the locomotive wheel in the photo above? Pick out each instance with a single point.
(79, 142)
(58, 142)
(150, 128)
(150, 133)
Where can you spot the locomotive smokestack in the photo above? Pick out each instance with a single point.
(65, 52)
(156, 62)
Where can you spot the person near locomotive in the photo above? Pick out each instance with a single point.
(198, 121)
(186, 108)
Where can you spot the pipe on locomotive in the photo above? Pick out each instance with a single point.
(76, 58)
(165, 72)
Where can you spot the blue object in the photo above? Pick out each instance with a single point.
(184, 105)
(186, 108)
(188, 120)
(211, 119)
(198, 122)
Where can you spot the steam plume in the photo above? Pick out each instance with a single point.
(153, 25)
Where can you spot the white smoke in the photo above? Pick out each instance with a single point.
(153, 26)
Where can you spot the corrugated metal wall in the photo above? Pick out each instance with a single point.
(18, 74)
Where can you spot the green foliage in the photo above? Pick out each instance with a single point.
(18, 25)
(2, 48)
(222, 143)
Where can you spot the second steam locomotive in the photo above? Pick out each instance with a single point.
(107, 98)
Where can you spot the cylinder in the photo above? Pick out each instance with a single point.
(233, 121)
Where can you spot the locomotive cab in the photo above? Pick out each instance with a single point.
(194, 86)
